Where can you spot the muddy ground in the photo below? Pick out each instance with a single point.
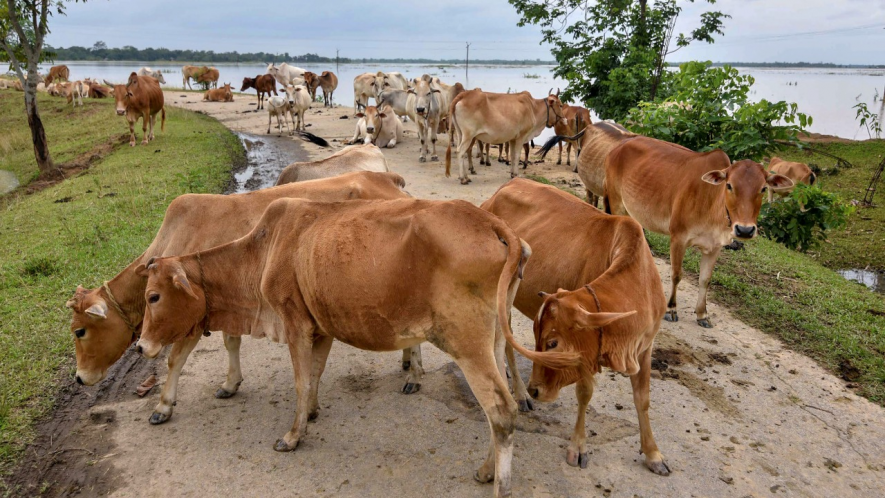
(734, 412)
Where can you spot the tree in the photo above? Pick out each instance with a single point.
(23, 27)
(613, 52)
(99, 45)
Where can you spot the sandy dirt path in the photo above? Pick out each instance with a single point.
(734, 412)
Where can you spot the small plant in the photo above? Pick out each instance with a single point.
(868, 120)
(40, 267)
(801, 221)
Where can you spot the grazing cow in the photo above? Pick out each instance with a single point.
(285, 74)
(604, 305)
(363, 89)
(698, 199)
(264, 84)
(279, 106)
(597, 140)
(222, 94)
(299, 102)
(286, 279)
(329, 83)
(141, 97)
(75, 91)
(157, 75)
(107, 319)
(497, 118)
(362, 157)
(574, 119)
(379, 126)
(189, 73)
(209, 77)
(60, 73)
(798, 172)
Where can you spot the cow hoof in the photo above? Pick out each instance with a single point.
(158, 418)
(313, 415)
(559, 162)
(576, 169)
(411, 388)
(132, 144)
(514, 175)
(526, 405)
(407, 365)
(221, 393)
(671, 316)
(465, 181)
(705, 322)
(483, 477)
(281, 446)
(434, 158)
(659, 468)
(422, 159)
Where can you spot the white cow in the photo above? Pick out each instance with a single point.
(363, 89)
(278, 106)
(389, 81)
(157, 75)
(285, 74)
(299, 101)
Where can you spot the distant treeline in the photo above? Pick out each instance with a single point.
(129, 53)
(794, 65)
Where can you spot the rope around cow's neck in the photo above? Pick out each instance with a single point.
(547, 119)
(119, 309)
(205, 297)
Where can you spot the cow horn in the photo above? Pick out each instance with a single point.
(550, 92)
(543, 294)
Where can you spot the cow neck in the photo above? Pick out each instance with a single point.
(601, 329)
(125, 294)
(720, 201)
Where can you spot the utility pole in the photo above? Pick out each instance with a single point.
(467, 64)
(336, 62)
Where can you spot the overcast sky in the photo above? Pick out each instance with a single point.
(840, 31)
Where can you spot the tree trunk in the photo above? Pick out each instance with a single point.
(38, 134)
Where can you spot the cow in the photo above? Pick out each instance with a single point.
(329, 83)
(157, 75)
(429, 103)
(17, 85)
(286, 279)
(393, 81)
(363, 89)
(106, 320)
(497, 118)
(797, 172)
(285, 74)
(698, 199)
(299, 101)
(362, 157)
(222, 94)
(595, 296)
(574, 119)
(278, 106)
(189, 73)
(401, 101)
(263, 84)
(98, 91)
(209, 77)
(60, 73)
(75, 91)
(597, 140)
(141, 97)
(311, 81)
(379, 126)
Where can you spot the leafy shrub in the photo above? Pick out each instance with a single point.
(801, 220)
(709, 108)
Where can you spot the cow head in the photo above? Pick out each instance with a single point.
(248, 83)
(175, 305)
(374, 117)
(554, 109)
(123, 94)
(100, 336)
(427, 98)
(745, 183)
(292, 91)
(567, 341)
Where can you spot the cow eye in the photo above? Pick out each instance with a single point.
(551, 344)
(153, 298)
(728, 186)
(80, 333)
(764, 189)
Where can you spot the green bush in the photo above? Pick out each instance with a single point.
(709, 108)
(801, 220)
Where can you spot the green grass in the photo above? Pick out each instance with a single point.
(47, 247)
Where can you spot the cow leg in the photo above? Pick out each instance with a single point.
(153, 122)
(132, 133)
(654, 460)
(463, 149)
(708, 260)
(434, 125)
(513, 155)
(559, 160)
(234, 373)
(301, 353)
(501, 158)
(568, 154)
(145, 120)
(523, 400)
(677, 253)
(416, 369)
(177, 357)
(527, 148)
(321, 346)
(577, 454)
(422, 138)
(470, 162)
(269, 119)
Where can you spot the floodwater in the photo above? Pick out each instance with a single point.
(266, 156)
(827, 95)
(8, 181)
(875, 281)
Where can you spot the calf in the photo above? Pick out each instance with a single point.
(299, 101)
(798, 172)
(222, 94)
(141, 97)
(74, 92)
(264, 85)
(604, 305)
(279, 106)
(284, 279)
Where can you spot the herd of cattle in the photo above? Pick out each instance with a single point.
(337, 250)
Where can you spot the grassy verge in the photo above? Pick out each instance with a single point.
(82, 231)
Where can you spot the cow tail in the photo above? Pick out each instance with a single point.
(556, 139)
(163, 119)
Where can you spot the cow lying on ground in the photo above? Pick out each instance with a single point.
(798, 172)
(222, 94)
(157, 75)
(106, 320)
(596, 298)
(286, 279)
(698, 199)
(362, 157)
(141, 97)
(378, 126)
(264, 84)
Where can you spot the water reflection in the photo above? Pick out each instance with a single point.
(8, 181)
(869, 278)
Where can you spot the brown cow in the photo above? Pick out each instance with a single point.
(106, 320)
(605, 303)
(311, 81)
(798, 172)
(61, 73)
(574, 119)
(362, 157)
(141, 98)
(189, 73)
(209, 77)
(264, 84)
(698, 199)
(329, 83)
(290, 278)
(222, 94)
(497, 118)
(378, 126)
(98, 91)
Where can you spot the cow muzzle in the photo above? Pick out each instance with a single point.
(148, 349)
(370, 129)
(85, 378)
(420, 110)
(121, 112)
(744, 232)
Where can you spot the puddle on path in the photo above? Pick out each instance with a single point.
(875, 281)
(266, 156)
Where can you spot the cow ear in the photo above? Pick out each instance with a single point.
(382, 115)
(779, 182)
(98, 310)
(360, 115)
(133, 80)
(180, 280)
(714, 177)
(774, 160)
(588, 320)
(435, 91)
